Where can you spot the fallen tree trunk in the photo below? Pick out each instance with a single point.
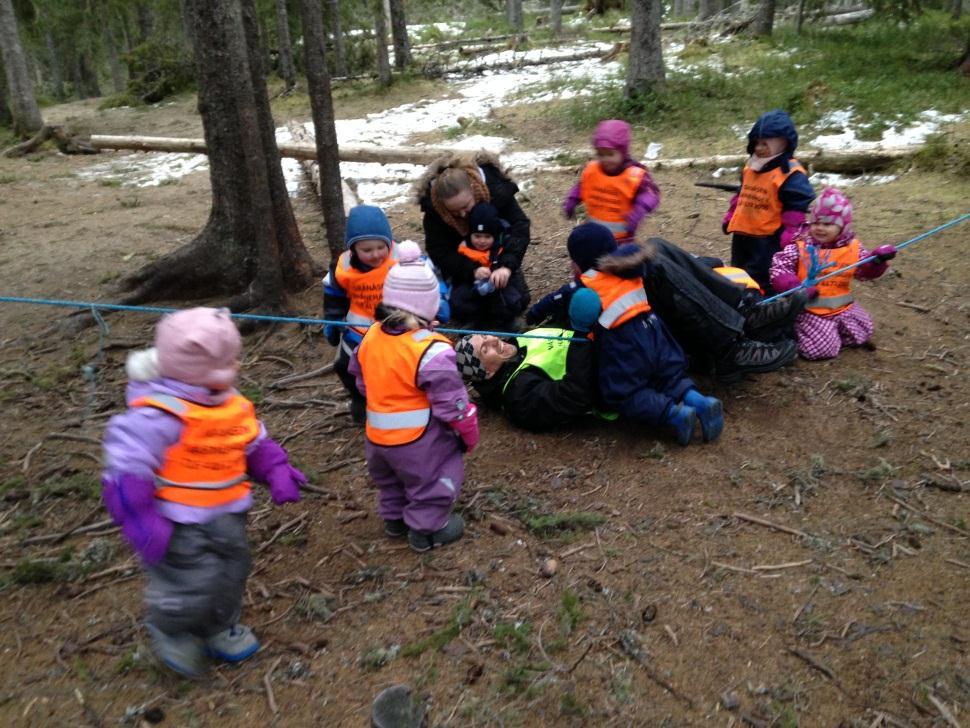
(293, 150)
(851, 162)
(524, 60)
(66, 142)
(311, 168)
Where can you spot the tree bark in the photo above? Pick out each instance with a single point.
(6, 116)
(555, 17)
(118, 80)
(85, 77)
(339, 52)
(645, 69)
(956, 10)
(514, 10)
(54, 60)
(800, 19)
(146, 21)
(325, 132)
(399, 34)
(706, 9)
(380, 37)
(963, 65)
(287, 70)
(23, 103)
(765, 23)
(250, 245)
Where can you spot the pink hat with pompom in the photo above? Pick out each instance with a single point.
(613, 134)
(199, 346)
(411, 285)
(834, 208)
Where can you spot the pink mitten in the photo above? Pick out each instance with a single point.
(785, 282)
(792, 221)
(467, 428)
(729, 214)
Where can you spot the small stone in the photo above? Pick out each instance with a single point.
(649, 613)
(549, 568)
(154, 715)
(498, 527)
(730, 700)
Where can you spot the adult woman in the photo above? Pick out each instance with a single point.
(446, 193)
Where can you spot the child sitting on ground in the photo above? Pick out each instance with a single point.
(176, 479)
(420, 418)
(831, 318)
(496, 296)
(775, 193)
(352, 290)
(616, 190)
(641, 367)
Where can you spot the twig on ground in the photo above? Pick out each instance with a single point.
(957, 563)
(71, 436)
(56, 537)
(787, 565)
(815, 664)
(293, 378)
(30, 453)
(769, 524)
(267, 683)
(798, 612)
(631, 646)
(280, 531)
(336, 466)
(926, 516)
(944, 711)
(582, 657)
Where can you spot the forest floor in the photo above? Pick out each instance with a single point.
(811, 567)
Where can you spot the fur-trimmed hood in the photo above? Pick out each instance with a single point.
(628, 260)
(455, 159)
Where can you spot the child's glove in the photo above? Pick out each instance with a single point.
(792, 221)
(332, 334)
(725, 221)
(268, 463)
(788, 281)
(885, 253)
(467, 427)
(130, 500)
(569, 207)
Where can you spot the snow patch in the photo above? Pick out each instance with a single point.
(897, 135)
(653, 150)
(146, 169)
(830, 179)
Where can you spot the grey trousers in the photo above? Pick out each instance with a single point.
(198, 587)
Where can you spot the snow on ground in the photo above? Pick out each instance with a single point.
(897, 135)
(141, 169)
(820, 180)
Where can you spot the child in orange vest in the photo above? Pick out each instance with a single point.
(420, 418)
(617, 191)
(176, 479)
(831, 318)
(775, 193)
(496, 296)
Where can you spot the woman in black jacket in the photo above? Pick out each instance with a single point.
(446, 192)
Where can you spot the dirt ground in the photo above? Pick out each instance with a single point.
(675, 602)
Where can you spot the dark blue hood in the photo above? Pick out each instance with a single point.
(775, 123)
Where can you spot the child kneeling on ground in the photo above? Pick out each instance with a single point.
(420, 418)
(176, 480)
(831, 318)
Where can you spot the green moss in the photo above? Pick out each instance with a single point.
(557, 524)
(513, 636)
(460, 617)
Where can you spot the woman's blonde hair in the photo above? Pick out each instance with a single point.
(452, 174)
(398, 318)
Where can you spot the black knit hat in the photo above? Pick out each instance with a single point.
(484, 219)
(588, 242)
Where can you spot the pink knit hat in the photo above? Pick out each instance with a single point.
(199, 346)
(613, 134)
(832, 207)
(411, 285)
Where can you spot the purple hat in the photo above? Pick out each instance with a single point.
(613, 134)
(199, 346)
(411, 285)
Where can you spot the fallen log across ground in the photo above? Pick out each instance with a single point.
(848, 162)
(311, 168)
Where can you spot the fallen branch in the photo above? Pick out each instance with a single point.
(769, 524)
(631, 646)
(294, 378)
(927, 517)
(55, 537)
(280, 531)
(66, 142)
(267, 683)
(944, 711)
(814, 663)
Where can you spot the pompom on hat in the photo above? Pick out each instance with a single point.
(199, 346)
(411, 285)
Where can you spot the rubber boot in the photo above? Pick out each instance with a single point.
(709, 411)
(232, 645)
(682, 419)
(451, 532)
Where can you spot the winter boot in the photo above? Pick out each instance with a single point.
(767, 321)
(395, 528)
(709, 411)
(232, 645)
(754, 357)
(452, 531)
(358, 410)
(184, 653)
(682, 419)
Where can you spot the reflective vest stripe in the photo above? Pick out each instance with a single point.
(433, 351)
(613, 227)
(399, 420)
(218, 485)
(739, 276)
(615, 310)
(833, 301)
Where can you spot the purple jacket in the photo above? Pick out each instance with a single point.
(646, 200)
(135, 442)
(438, 376)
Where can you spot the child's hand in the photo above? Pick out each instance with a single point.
(482, 273)
(885, 253)
(500, 277)
(467, 428)
(284, 484)
(131, 502)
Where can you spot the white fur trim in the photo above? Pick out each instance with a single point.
(142, 365)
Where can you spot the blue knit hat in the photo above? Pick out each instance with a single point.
(367, 222)
(588, 243)
(584, 309)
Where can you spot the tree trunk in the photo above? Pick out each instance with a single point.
(188, 32)
(645, 70)
(514, 10)
(86, 77)
(800, 19)
(325, 132)
(765, 23)
(54, 59)
(23, 103)
(706, 9)
(146, 21)
(287, 71)
(339, 53)
(380, 37)
(6, 117)
(118, 80)
(399, 34)
(555, 17)
(250, 245)
(956, 9)
(963, 65)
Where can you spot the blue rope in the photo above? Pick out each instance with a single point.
(811, 281)
(95, 307)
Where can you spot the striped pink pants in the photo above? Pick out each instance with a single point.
(822, 337)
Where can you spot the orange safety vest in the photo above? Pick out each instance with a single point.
(398, 410)
(739, 276)
(609, 198)
(835, 293)
(759, 207)
(621, 298)
(207, 466)
(482, 257)
(363, 289)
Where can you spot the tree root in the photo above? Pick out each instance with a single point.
(66, 142)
